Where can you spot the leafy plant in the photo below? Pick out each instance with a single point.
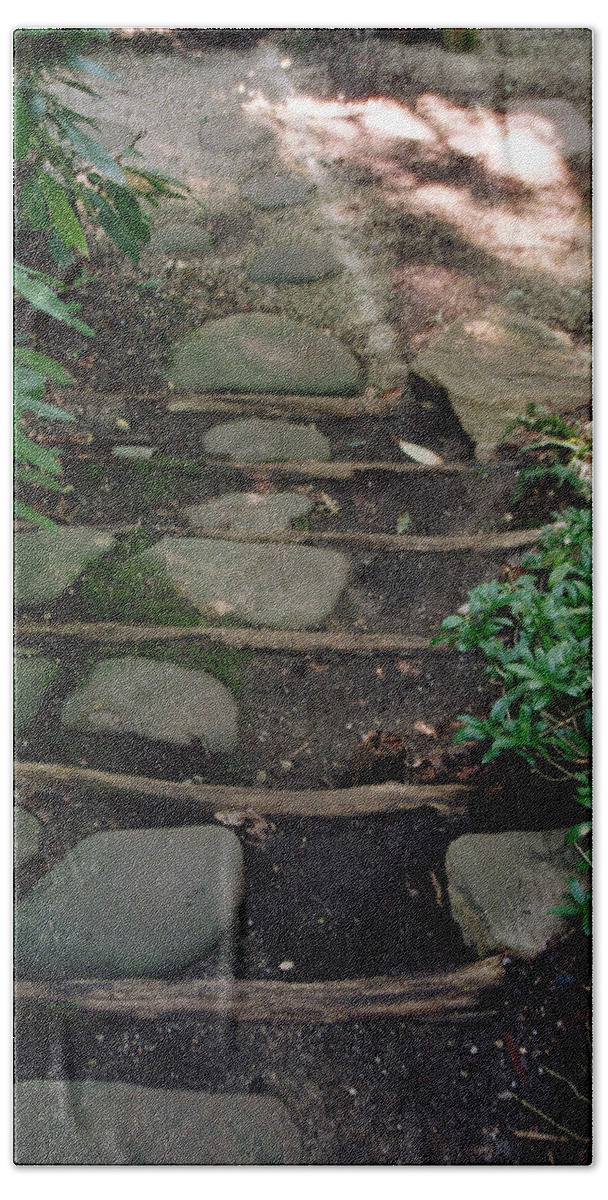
(534, 632)
(561, 455)
(66, 181)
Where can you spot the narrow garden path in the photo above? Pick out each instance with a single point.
(284, 478)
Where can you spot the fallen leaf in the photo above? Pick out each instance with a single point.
(410, 667)
(420, 454)
(328, 503)
(122, 424)
(427, 730)
(403, 522)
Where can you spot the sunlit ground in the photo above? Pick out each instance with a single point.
(500, 180)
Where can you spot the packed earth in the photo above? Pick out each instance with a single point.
(267, 910)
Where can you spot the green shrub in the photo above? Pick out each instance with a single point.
(535, 634)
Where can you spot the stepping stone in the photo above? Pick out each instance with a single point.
(49, 560)
(501, 886)
(261, 352)
(257, 440)
(33, 677)
(143, 453)
(233, 133)
(268, 190)
(292, 264)
(283, 587)
(154, 700)
(251, 510)
(27, 835)
(132, 902)
(58, 1122)
(492, 365)
(180, 237)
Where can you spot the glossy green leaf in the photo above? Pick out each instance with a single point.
(112, 224)
(22, 126)
(39, 295)
(30, 514)
(32, 206)
(43, 363)
(93, 152)
(39, 479)
(90, 67)
(27, 451)
(128, 209)
(62, 214)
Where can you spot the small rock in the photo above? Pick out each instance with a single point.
(33, 677)
(139, 452)
(62, 1123)
(49, 560)
(292, 263)
(257, 440)
(502, 885)
(132, 902)
(180, 237)
(250, 510)
(269, 190)
(262, 352)
(27, 835)
(155, 700)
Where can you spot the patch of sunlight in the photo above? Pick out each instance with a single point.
(544, 227)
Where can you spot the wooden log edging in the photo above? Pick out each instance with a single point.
(401, 542)
(448, 799)
(420, 997)
(295, 641)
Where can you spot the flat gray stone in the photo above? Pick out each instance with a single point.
(501, 886)
(33, 677)
(233, 133)
(180, 237)
(251, 510)
(58, 1122)
(155, 700)
(49, 560)
(269, 190)
(143, 453)
(27, 835)
(257, 440)
(261, 352)
(283, 587)
(292, 263)
(132, 902)
(492, 365)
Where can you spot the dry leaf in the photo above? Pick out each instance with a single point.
(427, 730)
(410, 667)
(420, 454)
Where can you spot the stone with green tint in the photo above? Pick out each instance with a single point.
(59, 1122)
(27, 835)
(262, 352)
(253, 511)
(180, 237)
(256, 440)
(292, 263)
(33, 677)
(132, 902)
(49, 560)
(155, 700)
(283, 587)
(270, 190)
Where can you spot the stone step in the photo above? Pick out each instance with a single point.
(135, 902)
(64, 1123)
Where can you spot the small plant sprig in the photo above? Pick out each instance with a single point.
(535, 635)
(561, 454)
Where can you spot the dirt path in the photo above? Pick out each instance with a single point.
(304, 221)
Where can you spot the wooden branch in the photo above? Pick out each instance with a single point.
(421, 997)
(291, 641)
(400, 542)
(238, 402)
(448, 799)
